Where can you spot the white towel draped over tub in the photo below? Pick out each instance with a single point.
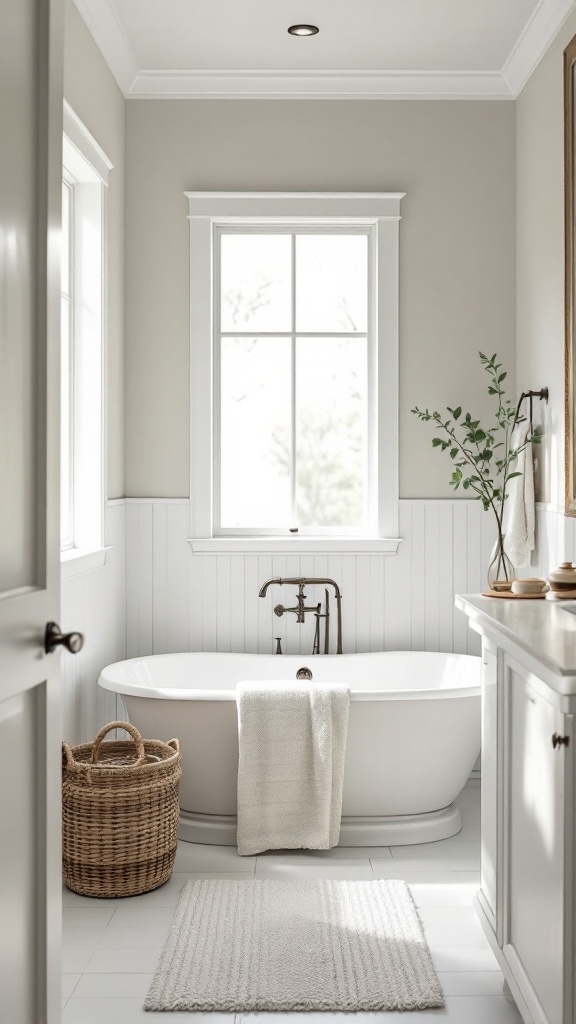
(292, 745)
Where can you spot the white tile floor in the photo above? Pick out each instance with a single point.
(111, 948)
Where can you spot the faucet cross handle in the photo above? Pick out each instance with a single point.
(301, 600)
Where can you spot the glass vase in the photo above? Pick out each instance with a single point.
(501, 572)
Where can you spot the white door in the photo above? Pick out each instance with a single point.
(30, 173)
(539, 768)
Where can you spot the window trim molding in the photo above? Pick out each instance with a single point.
(77, 562)
(81, 139)
(86, 161)
(294, 545)
(380, 210)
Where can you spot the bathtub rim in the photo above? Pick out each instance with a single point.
(125, 688)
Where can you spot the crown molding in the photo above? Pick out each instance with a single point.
(546, 21)
(307, 85)
(103, 24)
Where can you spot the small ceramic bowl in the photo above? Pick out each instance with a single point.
(563, 579)
(529, 586)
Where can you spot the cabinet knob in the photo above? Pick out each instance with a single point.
(560, 741)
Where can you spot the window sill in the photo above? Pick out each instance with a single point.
(294, 545)
(76, 561)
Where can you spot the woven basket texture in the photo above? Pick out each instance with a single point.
(119, 814)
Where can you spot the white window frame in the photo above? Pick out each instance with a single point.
(86, 168)
(378, 212)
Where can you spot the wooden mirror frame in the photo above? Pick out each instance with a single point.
(569, 283)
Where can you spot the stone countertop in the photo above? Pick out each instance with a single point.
(543, 630)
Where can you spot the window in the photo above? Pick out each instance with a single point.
(294, 365)
(85, 170)
(290, 384)
(66, 372)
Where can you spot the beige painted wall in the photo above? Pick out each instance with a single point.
(455, 161)
(92, 92)
(540, 255)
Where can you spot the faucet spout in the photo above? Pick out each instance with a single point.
(270, 583)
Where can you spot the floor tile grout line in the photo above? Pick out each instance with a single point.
(75, 986)
(460, 995)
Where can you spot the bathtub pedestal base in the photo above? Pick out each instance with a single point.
(403, 830)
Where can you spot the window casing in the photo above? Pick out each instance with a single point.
(85, 170)
(373, 219)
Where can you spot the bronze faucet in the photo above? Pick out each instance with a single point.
(301, 608)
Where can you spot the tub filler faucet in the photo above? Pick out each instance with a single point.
(301, 609)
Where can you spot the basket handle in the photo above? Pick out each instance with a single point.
(141, 754)
(175, 745)
(67, 752)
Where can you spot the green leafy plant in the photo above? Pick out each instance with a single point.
(483, 456)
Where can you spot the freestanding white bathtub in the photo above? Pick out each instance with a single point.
(413, 735)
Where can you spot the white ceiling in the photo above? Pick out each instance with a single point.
(429, 35)
(365, 48)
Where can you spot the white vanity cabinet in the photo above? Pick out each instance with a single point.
(526, 901)
(536, 915)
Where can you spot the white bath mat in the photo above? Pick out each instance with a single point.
(311, 945)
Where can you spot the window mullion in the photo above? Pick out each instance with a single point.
(293, 515)
(297, 334)
(217, 382)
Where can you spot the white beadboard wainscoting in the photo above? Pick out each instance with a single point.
(153, 596)
(179, 601)
(94, 603)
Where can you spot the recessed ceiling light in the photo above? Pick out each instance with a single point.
(303, 30)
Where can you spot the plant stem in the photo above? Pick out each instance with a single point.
(469, 459)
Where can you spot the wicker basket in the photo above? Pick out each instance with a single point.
(119, 814)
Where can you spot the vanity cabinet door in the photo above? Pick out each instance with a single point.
(537, 848)
(489, 801)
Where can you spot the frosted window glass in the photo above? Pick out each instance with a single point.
(66, 516)
(256, 283)
(331, 282)
(255, 432)
(331, 428)
(293, 381)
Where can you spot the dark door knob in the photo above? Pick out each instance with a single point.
(53, 636)
(560, 741)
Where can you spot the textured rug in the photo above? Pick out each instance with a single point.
(312, 945)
